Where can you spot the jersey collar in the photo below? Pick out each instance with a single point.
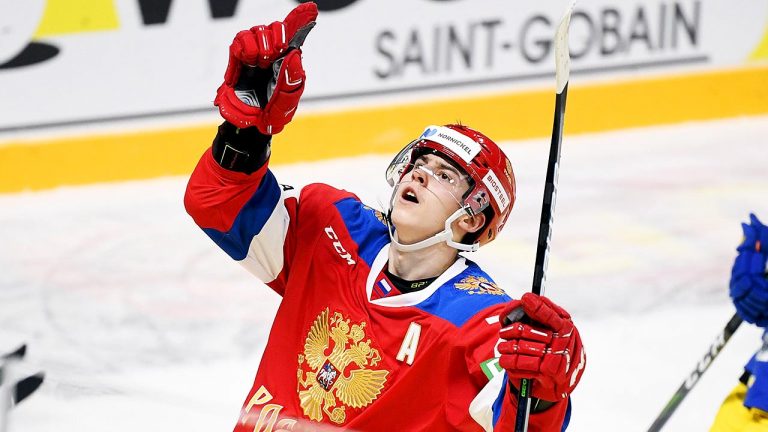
(413, 298)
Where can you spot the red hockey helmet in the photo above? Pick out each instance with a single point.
(492, 182)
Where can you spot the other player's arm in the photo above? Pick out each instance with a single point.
(749, 275)
(746, 408)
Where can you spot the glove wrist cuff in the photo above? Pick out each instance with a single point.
(241, 150)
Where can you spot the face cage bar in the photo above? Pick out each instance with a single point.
(473, 205)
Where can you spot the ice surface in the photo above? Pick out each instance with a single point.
(143, 324)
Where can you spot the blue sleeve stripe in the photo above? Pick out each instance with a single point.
(497, 404)
(567, 419)
(250, 220)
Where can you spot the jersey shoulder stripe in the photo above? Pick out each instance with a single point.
(365, 225)
(464, 295)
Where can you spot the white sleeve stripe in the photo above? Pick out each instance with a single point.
(481, 408)
(265, 257)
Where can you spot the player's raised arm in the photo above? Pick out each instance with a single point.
(262, 86)
(264, 78)
(231, 194)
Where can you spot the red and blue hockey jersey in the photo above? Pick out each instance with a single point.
(341, 351)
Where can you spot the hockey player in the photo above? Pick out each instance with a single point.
(382, 326)
(746, 408)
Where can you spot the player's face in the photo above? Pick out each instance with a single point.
(426, 196)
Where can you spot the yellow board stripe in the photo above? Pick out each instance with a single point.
(509, 116)
(77, 16)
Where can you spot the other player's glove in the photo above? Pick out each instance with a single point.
(749, 286)
(264, 78)
(545, 347)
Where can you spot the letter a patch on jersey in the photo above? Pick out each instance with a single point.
(410, 344)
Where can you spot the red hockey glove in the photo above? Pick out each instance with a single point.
(264, 78)
(548, 350)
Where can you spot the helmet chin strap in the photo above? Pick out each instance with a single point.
(446, 235)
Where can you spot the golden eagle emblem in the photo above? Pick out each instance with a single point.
(379, 215)
(479, 285)
(338, 375)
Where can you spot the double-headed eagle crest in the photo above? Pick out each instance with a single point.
(339, 374)
(479, 285)
(379, 215)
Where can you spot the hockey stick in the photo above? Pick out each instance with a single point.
(694, 376)
(562, 72)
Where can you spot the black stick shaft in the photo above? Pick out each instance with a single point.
(562, 72)
(694, 376)
(550, 195)
(542, 248)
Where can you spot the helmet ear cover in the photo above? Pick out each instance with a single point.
(472, 237)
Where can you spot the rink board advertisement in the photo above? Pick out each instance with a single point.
(107, 61)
